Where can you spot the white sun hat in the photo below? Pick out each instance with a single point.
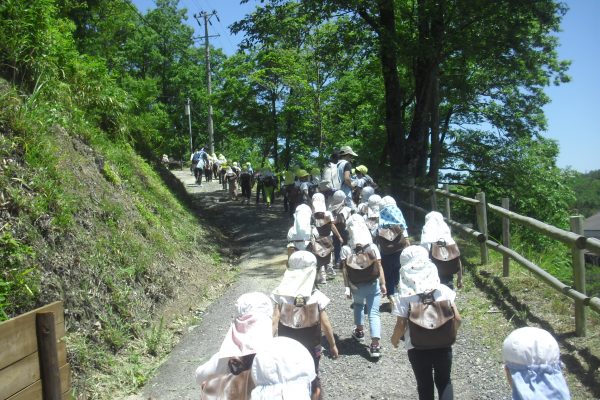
(283, 371)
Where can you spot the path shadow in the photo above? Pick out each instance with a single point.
(520, 315)
(351, 347)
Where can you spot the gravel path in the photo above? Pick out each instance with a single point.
(259, 235)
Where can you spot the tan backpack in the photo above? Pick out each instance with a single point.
(432, 324)
(228, 387)
(391, 240)
(361, 266)
(301, 322)
(446, 257)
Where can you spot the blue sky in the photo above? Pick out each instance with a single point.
(575, 106)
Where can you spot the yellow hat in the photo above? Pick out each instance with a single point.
(362, 169)
(301, 173)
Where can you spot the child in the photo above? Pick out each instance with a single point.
(250, 330)
(418, 276)
(391, 238)
(532, 364)
(322, 247)
(434, 230)
(297, 290)
(364, 280)
(300, 234)
(340, 213)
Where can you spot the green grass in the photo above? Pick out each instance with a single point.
(89, 222)
(494, 306)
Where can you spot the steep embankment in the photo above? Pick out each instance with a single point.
(85, 220)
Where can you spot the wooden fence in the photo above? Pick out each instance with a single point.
(33, 356)
(574, 239)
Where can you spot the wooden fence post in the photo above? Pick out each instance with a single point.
(411, 200)
(447, 201)
(505, 237)
(578, 258)
(48, 356)
(481, 209)
(433, 198)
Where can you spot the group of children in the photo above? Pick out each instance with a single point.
(273, 347)
(365, 239)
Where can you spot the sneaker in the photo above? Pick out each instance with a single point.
(358, 335)
(375, 350)
(330, 270)
(322, 278)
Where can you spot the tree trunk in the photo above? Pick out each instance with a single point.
(274, 118)
(434, 160)
(289, 125)
(426, 73)
(394, 93)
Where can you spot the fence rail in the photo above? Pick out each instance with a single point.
(33, 356)
(574, 238)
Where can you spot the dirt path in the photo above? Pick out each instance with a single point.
(259, 235)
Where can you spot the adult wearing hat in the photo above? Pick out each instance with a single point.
(346, 156)
(304, 183)
(532, 364)
(418, 275)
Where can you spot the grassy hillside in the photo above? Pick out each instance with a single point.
(85, 220)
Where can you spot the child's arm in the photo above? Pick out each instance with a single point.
(399, 330)
(381, 278)
(336, 232)
(275, 321)
(328, 330)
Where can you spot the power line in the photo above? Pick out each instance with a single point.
(141, 16)
(209, 6)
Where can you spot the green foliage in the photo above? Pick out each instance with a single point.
(525, 172)
(110, 174)
(19, 277)
(155, 338)
(587, 192)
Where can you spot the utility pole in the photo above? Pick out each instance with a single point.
(207, 17)
(188, 112)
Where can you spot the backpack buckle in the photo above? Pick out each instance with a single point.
(299, 301)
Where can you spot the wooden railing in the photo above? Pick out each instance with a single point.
(33, 356)
(574, 238)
